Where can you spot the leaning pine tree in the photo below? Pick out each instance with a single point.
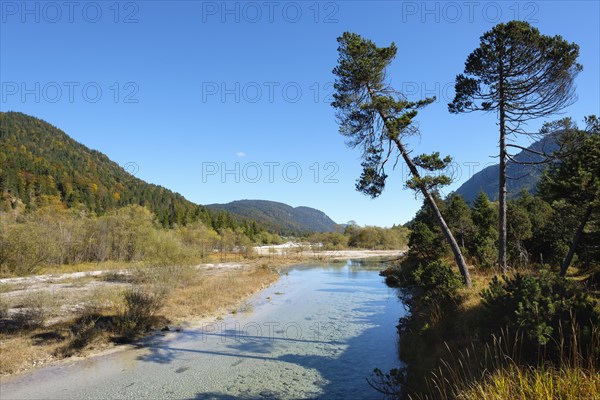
(376, 118)
(522, 75)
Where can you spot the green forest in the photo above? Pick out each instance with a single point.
(503, 296)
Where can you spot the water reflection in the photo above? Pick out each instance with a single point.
(344, 321)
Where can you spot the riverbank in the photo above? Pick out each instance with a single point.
(530, 335)
(318, 332)
(50, 317)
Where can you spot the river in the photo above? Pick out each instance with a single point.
(317, 333)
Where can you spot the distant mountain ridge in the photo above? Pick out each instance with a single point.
(280, 217)
(521, 176)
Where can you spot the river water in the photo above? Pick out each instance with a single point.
(317, 333)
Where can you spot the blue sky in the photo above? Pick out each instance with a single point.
(222, 101)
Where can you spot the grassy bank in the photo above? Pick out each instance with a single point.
(461, 343)
(84, 315)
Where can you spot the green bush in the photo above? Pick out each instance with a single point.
(426, 242)
(484, 250)
(541, 308)
(437, 282)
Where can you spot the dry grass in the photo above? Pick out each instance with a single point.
(33, 335)
(187, 292)
(213, 293)
(494, 373)
(22, 352)
(515, 382)
(11, 287)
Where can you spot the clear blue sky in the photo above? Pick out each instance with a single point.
(189, 89)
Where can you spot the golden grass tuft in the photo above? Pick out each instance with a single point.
(542, 383)
(212, 293)
(22, 352)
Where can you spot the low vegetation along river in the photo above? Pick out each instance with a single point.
(317, 333)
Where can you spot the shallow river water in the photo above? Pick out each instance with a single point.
(317, 333)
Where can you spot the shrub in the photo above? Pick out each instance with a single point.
(141, 305)
(541, 307)
(484, 250)
(34, 311)
(83, 331)
(426, 242)
(3, 309)
(437, 282)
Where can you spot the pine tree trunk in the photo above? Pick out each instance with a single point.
(575, 242)
(458, 257)
(502, 203)
(502, 182)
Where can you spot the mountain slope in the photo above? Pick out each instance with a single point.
(521, 176)
(38, 159)
(280, 217)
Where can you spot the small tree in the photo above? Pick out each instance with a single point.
(482, 245)
(459, 219)
(520, 229)
(576, 180)
(522, 75)
(377, 118)
(426, 240)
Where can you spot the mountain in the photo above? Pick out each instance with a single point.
(280, 217)
(521, 176)
(38, 159)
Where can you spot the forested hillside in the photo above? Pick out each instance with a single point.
(38, 159)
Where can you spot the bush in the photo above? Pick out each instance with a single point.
(426, 242)
(141, 305)
(484, 251)
(437, 282)
(3, 309)
(541, 308)
(83, 332)
(34, 311)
